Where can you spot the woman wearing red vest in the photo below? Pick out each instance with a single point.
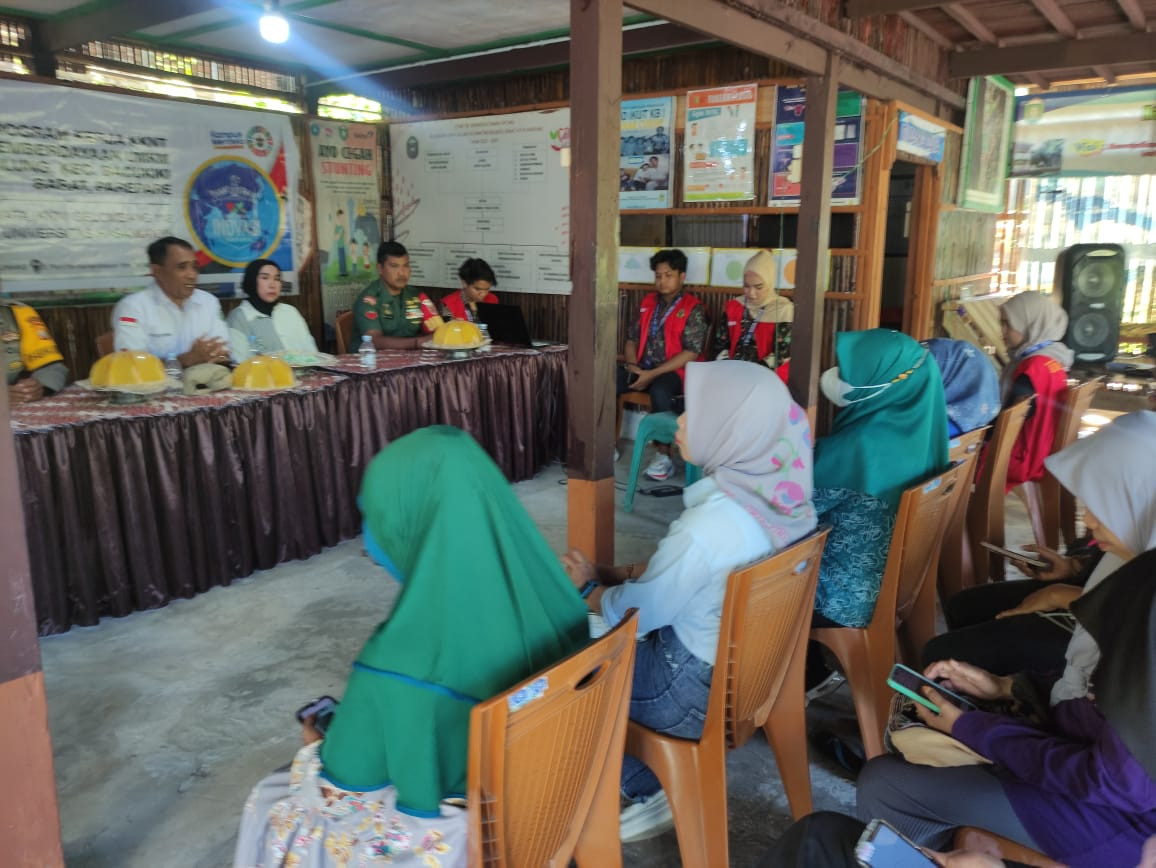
(1033, 328)
(758, 325)
(477, 279)
(670, 331)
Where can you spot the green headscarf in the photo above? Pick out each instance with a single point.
(890, 436)
(485, 603)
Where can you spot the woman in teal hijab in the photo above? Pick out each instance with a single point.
(889, 433)
(472, 619)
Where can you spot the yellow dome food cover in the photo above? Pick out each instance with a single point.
(457, 333)
(262, 374)
(127, 368)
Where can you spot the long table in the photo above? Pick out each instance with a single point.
(128, 507)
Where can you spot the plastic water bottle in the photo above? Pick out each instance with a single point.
(255, 347)
(368, 352)
(172, 367)
(485, 330)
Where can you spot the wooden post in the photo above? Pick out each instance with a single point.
(30, 831)
(918, 303)
(595, 112)
(880, 137)
(813, 266)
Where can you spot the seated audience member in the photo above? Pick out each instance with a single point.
(376, 786)
(172, 318)
(261, 323)
(34, 365)
(758, 324)
(827, 840)
(970, 384)
(889, 434)
(754, 446)
(394, 314)
(1114, 476)
(1080, 787)
(477, 280)
(1033, 328)
(670, 331)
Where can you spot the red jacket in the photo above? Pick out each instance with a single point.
(1034, 444)
(764, 336)
(672, 328)
(456, 305)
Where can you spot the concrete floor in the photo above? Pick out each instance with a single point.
(162, 721)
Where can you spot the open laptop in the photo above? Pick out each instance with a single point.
(507, 325)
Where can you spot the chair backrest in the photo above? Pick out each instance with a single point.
(920, 522)
(966, 444)
(343, 324)
(1075, 405)
(104, 344)
(985, 512)
(766, 609)
(539, 750)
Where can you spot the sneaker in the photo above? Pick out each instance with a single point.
(646, 819)
(661, 468)
(830, 684)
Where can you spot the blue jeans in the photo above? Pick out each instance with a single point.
(670, 693)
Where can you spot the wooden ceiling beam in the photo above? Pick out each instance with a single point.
(1038, 80)
(770, 28)
(1104, 73)
(110, 20)
(1060, 54)
(927, 30)
(1135, 14)
(867, 8)
(967, 20)
(639, 40)
(1056, 16)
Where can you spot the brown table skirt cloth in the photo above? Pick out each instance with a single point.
(124, 514)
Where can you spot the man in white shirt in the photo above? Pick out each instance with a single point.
(172, 317)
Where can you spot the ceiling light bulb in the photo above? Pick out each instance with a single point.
(274, 27)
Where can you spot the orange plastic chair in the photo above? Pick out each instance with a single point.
(757, 682)
(545, 761)
(343, 325)
(955, 555)
(1058, 503)
(104, 344)
(866, 654)
(983, 841)
(985, 511)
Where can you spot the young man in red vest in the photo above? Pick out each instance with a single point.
(670, 331)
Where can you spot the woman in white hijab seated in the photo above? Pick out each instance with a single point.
(1113, 473)
(754, 446)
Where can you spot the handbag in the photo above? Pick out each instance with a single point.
(915, 741)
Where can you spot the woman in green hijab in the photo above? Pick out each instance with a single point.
(889, 433)
(472, 619)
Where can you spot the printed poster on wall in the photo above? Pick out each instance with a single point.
(495, 187)
(644, 161)
(787, 146)
(347, 187)
(1085, 133)
(719, 144)
(89, 179)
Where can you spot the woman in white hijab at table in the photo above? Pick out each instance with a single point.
(754, 446)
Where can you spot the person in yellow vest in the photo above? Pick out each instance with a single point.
(670, 331)
(34, 365)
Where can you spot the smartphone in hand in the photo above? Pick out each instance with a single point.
(321, 709)
(1019, 557)
(881, 846)
(911, 683)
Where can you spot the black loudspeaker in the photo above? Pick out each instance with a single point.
(1091, 278)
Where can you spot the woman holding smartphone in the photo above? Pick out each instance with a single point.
(1082, 787)
(387, 782)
